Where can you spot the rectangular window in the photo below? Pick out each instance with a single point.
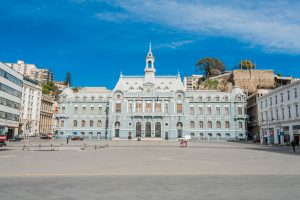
(277, 115)
(266, 103)
(282, 113)
(288, 95)
(218, 111)
(272, 118)
(209, 110)
(63, 109)
(83, 110)
(92, 98)
(271, 101)
(158, 107)
(296, 93)
(191, 110)
(179, 107)
(296, 110)
(138, 107)
(290, 114)
(148, 107)
(261, 105)
(166, 107)
(118, 107)
(92, 110)
(200, 111)
(276, 99)
(240, 110)
(226, 111)
(75, 110)
(130, 107)
(84, 98)
(281, 94)
(99, 109)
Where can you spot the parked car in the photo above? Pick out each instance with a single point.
(76, 138)
(46, 136)
(16, 138)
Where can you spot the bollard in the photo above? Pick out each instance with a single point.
(95, 147)
(24, 148)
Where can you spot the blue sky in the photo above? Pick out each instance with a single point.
(95, 39)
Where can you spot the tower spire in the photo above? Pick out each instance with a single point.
(150, 50)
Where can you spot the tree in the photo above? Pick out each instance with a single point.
(247, 64)
(49, 87)
(68, 79)
(210, 66)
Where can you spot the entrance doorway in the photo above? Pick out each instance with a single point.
(117, 129)
(148, 129)
(138, 129)
(157, 129)
(179, 126)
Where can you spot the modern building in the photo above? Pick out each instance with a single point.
(28, 70)
(31, 71)
(152, 107)
(192, 82)
(46, 115)
(279, 117)
(253, 113)
(30, 107)
(10, 99)
(45, 75)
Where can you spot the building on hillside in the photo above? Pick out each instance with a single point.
(152, 107)
(279, 117)
(10, 100)
(45, 75)
(192, 82)
(30, 107)
(252, 111)
(46, 115)
(31, 71)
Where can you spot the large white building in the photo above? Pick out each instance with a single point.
(279, 117)
(152, 107)
(30, 107)
(10, 99)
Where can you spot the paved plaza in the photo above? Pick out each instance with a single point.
(148, 170)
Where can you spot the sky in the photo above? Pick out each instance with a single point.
(97, 39)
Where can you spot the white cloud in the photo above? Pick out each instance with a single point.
(272, 25)
(174, 45)
(112, 16)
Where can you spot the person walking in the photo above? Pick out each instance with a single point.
(293, 144)
(68, 139)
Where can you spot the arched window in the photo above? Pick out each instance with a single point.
(82, 123)
(117, 124)
(75, 123)
(218, 124)
(179, 125)
(91, 123)
(209, 134)
(226, 98)
(227, 134)
(218, 134)
(209, 124)
(227, 125)
(200, 124)
(192, 124)
(99, 123)
(62, 123)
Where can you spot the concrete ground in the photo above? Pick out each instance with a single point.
(148, 170)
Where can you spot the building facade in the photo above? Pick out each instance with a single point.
(31, 71)
(10, 100)
(253, 113)
(45, 75)
(30, 107)
(152, 107)
(279, 114)
(192, 82)
(46, 115)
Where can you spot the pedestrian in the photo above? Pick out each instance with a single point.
(68, 139)
(293, 144)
